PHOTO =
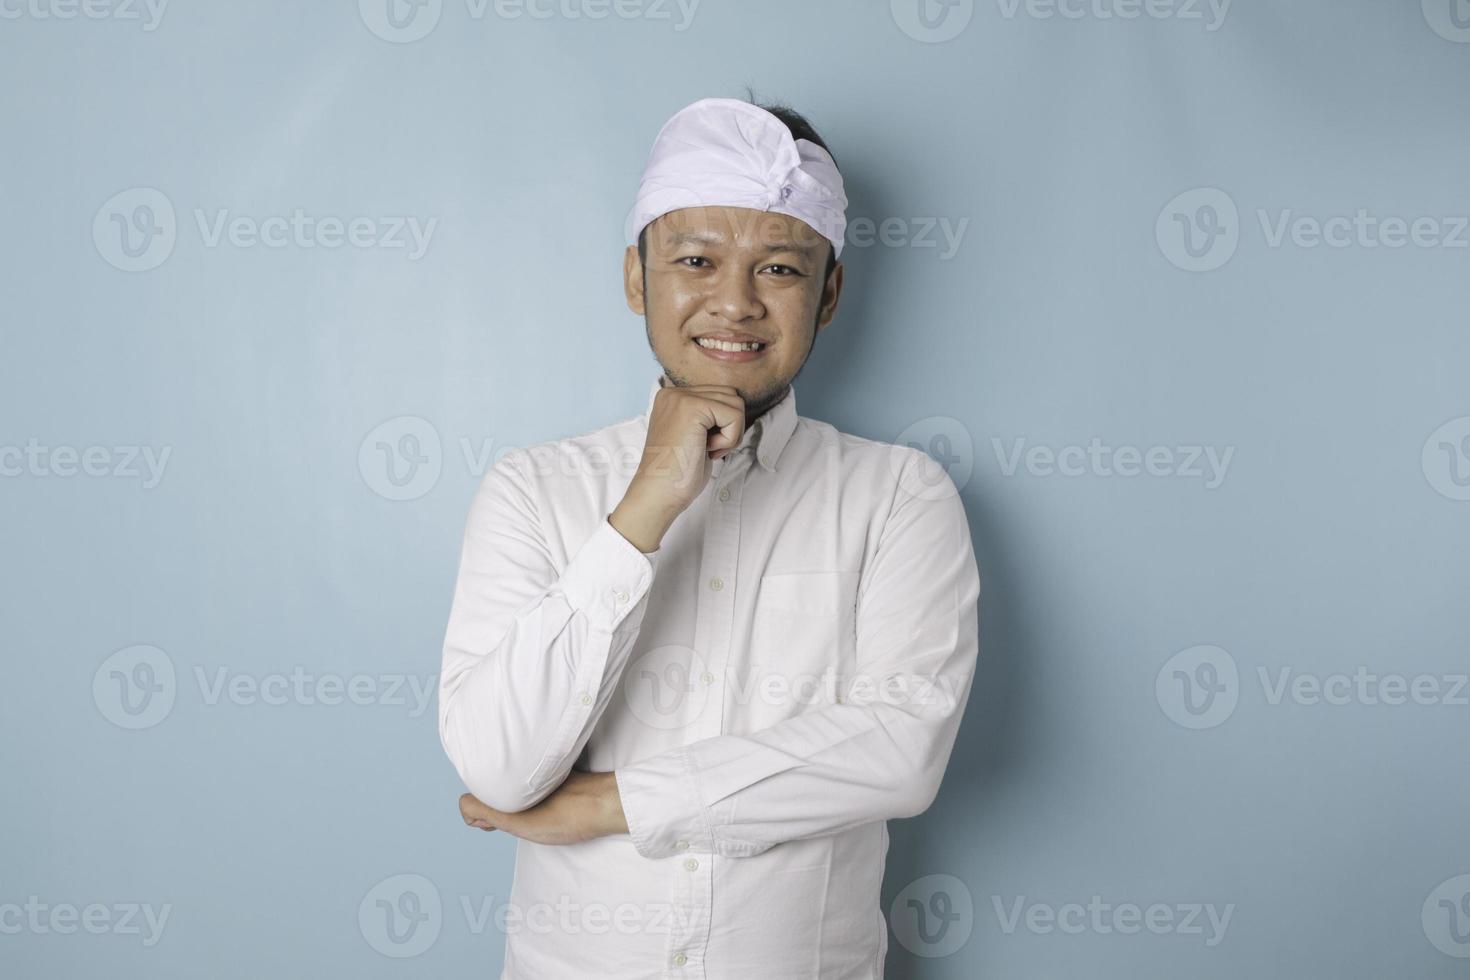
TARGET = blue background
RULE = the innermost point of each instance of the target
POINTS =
(1335, 540)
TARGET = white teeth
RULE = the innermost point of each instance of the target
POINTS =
(725, 344)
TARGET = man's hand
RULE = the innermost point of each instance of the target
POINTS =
(585, 807)
(688, 429)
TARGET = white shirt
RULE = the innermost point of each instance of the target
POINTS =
(783, 675)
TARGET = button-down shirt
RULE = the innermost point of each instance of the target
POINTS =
(785, 673)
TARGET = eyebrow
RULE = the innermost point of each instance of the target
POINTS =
(696, 238)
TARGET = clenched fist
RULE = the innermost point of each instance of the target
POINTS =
(688, 429)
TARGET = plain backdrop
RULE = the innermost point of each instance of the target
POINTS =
(1216, 462)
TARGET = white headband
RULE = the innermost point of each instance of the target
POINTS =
(728, 152)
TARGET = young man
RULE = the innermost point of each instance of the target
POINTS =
(697, 658)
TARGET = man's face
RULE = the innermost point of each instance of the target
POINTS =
(739, 274)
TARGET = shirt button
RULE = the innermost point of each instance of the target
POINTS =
(691, 865)
(621, 596)
(724, 494)
(717, 584)
(586, 699)
(707, 677)
(682, 845)
(680, 959)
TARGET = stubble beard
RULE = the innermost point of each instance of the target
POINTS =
(756, 404)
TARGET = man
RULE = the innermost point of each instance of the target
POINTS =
(697, 658)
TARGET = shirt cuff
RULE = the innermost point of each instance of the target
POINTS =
(684, 799)
(660, 798)
(608, 578)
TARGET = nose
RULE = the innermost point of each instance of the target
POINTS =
(733, 296)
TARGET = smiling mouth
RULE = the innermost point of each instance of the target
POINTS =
(727, 346)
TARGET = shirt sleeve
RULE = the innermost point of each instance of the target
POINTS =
(882, 751)
(532, 653)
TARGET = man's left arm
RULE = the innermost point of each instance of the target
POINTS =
(878, 755)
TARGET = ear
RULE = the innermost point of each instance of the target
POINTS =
(633, 279)
(831, 291)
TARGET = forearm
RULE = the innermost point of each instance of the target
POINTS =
(528, 668)
(820, 773)
(514, 720)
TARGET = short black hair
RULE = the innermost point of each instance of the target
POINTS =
(801, 129)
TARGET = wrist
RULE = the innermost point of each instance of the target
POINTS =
(643, 526)
(614, 820)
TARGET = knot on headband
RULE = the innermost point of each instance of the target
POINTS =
(727, 152)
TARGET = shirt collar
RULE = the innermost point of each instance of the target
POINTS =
(769, 433)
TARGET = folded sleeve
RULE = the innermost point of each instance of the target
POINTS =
(880, 752)
(532, 653)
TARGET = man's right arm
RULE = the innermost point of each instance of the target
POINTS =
(532, 656)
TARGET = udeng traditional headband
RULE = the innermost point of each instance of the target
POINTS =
(728, 152)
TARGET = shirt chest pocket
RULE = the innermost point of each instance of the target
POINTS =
(803, 638)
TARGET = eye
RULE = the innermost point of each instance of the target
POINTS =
(690, 258)
(788, 269)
